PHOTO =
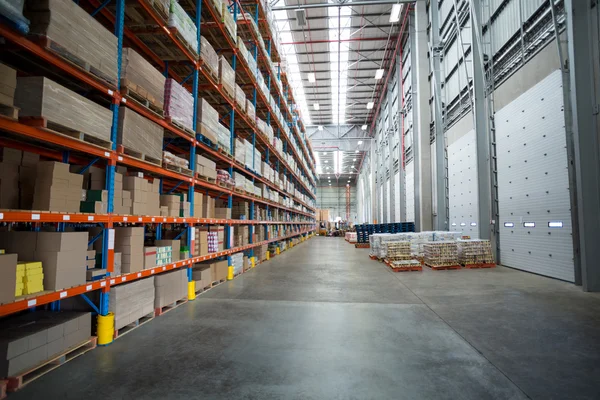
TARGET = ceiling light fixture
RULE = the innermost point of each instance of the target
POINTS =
(320, 127)
(356, 151)
(311, 77)
(370, 105)
(364, 127)
(316, 106)
(395, 14)
(360, 142)
(354, 159)
(378, 74)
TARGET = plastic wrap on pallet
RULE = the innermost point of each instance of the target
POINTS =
(227, 19)
(250, 110)
(226, 76)
(139, 76)
(180, 20)
(240, 98)
(139, 134)
(239, 180)
(179, 103)
(474, 251)
(223, 138)
(12, 10)
(261, 125)
(240, 150)
(171, 159)
(242, 49)
(86, 43)
(207, 120)
(223, 176)
(441, 254)
(252, 65)
(38, 96)
(209, 56)
(237, 261)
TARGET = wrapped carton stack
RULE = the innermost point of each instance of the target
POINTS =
(474, 251)
(62, 108)
(250, 110)
(237, 261)
(139, 76)
(8, 85)
(174, 247)
(240, 150)
(139, 136)
(441, 254)
(180, 20)
(30, 339)
(227, 77)
(223, 138)
(132, 301)
(228, 20)
(240, 233)
(209, 57)
(207, 120)
(240, 99)
(206, 168)
(169, 288)
(179, 104)
(86, 43)
(129, 242)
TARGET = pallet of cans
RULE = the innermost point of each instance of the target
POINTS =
(399, 257)
(441, 255)
(475, 253)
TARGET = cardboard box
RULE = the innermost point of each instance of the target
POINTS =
(8, 277)
(149, 257)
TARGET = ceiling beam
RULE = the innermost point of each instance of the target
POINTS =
(339, 4)
(364, 39)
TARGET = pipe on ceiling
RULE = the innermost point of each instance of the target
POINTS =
(350, 4)
(374, 39)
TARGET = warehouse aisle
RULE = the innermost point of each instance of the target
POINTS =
(321, 321)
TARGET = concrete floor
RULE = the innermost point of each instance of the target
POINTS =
(322, 321)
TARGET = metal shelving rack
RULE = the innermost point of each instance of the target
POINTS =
(66, 149)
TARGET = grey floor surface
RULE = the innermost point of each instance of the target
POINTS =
(322, 321)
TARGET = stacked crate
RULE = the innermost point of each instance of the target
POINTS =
(132, 301)
(441, 254)
(475, 252)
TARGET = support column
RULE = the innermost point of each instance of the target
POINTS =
(373, 187)
(586, 138)
(442, 223)
(482, 128)
(421, 145)
(391, 142)
(401, 184)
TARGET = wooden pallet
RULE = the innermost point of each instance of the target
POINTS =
(17, 382)
(206, 179)
(179, 125)
(9, 112)
(135, 324)
(362, 245)
(406, 269)
(140, 156)
(65, 54)
(134, 93)
(372, 257)
(474, 266)
(179, 170)
(161, 11)
(162, 310)
(225, 185)
(42, 122)
(443, 267)
(205, 67)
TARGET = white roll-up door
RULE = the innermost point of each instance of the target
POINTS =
(533, 184)
(462, 182)
(410, 192)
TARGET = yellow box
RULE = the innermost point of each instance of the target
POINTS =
(33, 279)
(33, 265)
(21, 267)
(34, 272)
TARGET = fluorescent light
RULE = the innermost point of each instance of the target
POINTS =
(348, 181)
(311, 77)
(356, 151)
(320, 127)
(378, 74)
(324, 153)
(370, 105)
(395, 14)
(316, 106)
(555, 224)
(354, 159)
(360, 142)
(463, 224)
(326, 161)
(473, 223)
(509, 224)
(364, 127)
(529, 224)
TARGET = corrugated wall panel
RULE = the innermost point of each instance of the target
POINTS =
(410, 192)
(533, 182)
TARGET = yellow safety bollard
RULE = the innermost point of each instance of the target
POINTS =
(192, 290)
(268, 255)
(277, 251)
(230, 273)
(106, 329)
(252, 262)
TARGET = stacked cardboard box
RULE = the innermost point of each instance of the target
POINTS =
(240, 98)
(240, 233)
(205, 167)
(56, 189)
(170, 287)
(200, 242)
(129, 241)
(40, 97)
(117, 264)
(174, 245)
(179, 103)
(86, 42)
(198, 204)
(172, 202)
(30, 278)
(212, 240)
(140, 135)
(218, 269)
(202, 274)
(224, 138)
(240, 210)
(208, 207)
(149, 257)
(141, 77)
(222, 213)
(144, 195)
(260, 252)
(209, 57)
(185, 209)
(207, 120)
(132, 301)
(9, 285)
(8, 84)
(163, 255)
(237, 261)
(30, 339)
(250, 110)
(240, 150)
(95, 202)
(226, 76)
(9, 178)
(246, 263)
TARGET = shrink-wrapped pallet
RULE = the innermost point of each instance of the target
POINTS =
(210, 59)
(227, 19)
(261, 125)
(223, 138)
(181, 21)
(132, 301)
(242, 49)
(171, 159)
(226, 76)
(40, 97)
(170, 288)
(250, 110)
(86, 43)
(179, 103)
(441, 254)
(140, 135)
(474, 251)
(240, 150)
(139, 76)
(240, 99)
(207, 120)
